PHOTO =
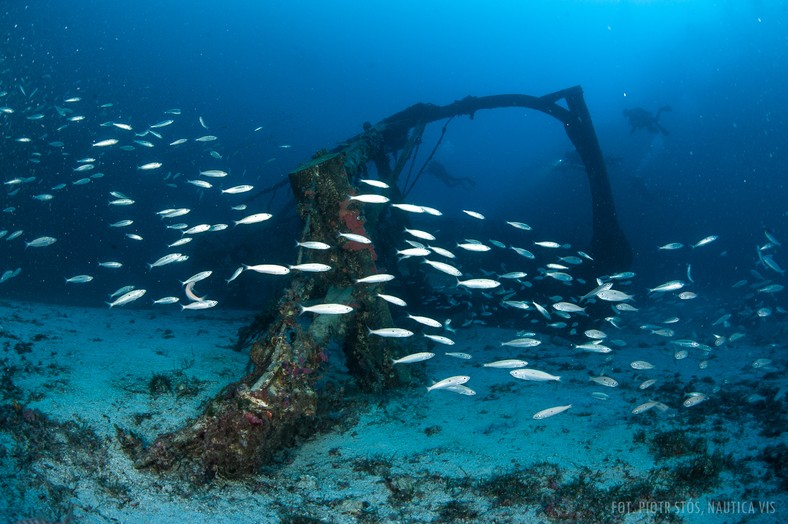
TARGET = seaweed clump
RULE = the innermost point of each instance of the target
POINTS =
(457, 511)
(675, 443)
(41, 443)
(174, 383)
(776, 459)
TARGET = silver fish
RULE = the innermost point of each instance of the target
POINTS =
(128, 298)
(415, 357)
(549, 412)
(326, 309)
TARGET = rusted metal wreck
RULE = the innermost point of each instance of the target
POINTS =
(264, 411)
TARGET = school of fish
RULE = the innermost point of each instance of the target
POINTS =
(466, 273)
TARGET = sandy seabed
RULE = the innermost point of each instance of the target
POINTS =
(71, 375)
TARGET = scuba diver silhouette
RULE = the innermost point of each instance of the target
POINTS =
(639, 118)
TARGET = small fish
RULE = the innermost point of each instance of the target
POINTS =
(549, 412)
(199, 304)
(196, 230)
(568, 307)
(413, 252)
(707, 240)
(393, 300)
(594, 347)
(459, 388)
(443, 340)
(671, 285)
(426, 321)
(542, 311)
(523, 252)
(122, 223)
(111, 265)
(173, 213)
(445, 268)
(374, 183)
(202, 275)
(166, 300)
(163, 123)
(479, 283)
(38, 242)
(647, 383)
(474, 214)
(518, 304)
(559, 275)
(214, 173)
(694, 399)
(268, 269)
(520, 225)
(326, 309)
(167, 259)
(119, 125)
(463, 356)
(237, 189)
(127, 298)
(254, 219)
(44, 197)
(475, 247)
(420, 234)
(442, 252)
(149, 166)
(121, 202)
(641, 364)
(312, 267)
(449, 382)
(671, 246)
(771, 238)
(200, 183)
(415, 357)
(644, 407)
(375, 279)
(548, 244)
(79, 279)
(514, 275)
(206, 138)
(178, 142)
(391, 332)
(506, 364)
(664, 332)
(533, 375)
(353, 237)
(235, 274)
(124, 289)
(310, 244)
(369, 199)
(525, 342)
(106, 143)
(605, 381)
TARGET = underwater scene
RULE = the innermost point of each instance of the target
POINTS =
(393, 262)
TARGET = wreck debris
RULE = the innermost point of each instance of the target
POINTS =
(264, 411)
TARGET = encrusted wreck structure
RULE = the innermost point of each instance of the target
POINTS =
(264, 411)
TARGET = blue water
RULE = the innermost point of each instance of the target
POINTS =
(278, 81)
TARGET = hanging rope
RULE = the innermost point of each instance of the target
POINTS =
(410, 152)
(429, 158)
